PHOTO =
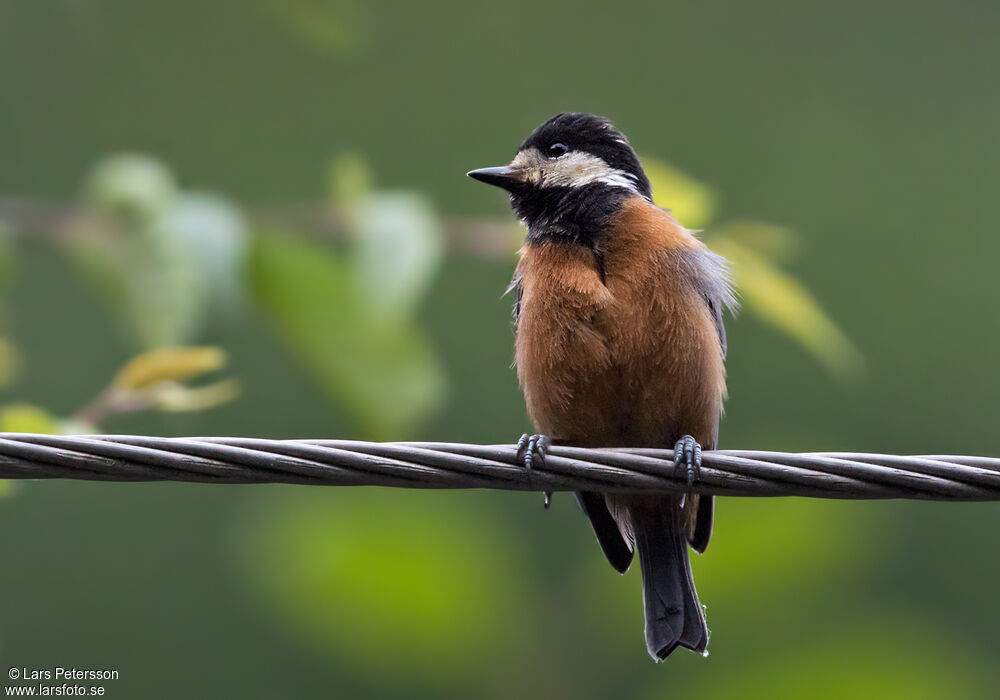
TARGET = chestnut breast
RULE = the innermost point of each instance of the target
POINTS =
(619, 348)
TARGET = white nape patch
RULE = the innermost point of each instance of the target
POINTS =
(574, 169)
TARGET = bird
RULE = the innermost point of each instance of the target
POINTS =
(620, 342)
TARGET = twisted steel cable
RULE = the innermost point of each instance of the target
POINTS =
(231, 460)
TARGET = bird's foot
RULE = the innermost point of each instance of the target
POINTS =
(531, 451)
(687, 459)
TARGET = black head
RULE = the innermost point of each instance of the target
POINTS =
(569, 175)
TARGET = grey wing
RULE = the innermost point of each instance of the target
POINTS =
(701, 527)
(717, 290)
(711, 274)
(715, 306)
(515, 287)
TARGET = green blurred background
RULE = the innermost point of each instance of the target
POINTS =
(295, 196)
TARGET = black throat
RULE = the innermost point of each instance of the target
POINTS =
(577, 215)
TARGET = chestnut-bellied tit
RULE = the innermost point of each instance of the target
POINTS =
(620, 343)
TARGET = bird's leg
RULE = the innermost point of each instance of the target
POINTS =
(687, 459)
(531, 451)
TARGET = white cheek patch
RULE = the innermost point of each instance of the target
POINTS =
(574, 169)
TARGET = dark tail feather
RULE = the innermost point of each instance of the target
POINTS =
(616, 549)
(702, 531)
(673, 614)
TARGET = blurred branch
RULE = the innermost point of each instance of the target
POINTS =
(450, 465)
(37, 217)
(56, 221)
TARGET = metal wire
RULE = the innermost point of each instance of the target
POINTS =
(229, 460)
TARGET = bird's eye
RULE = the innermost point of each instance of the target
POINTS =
(556, 150)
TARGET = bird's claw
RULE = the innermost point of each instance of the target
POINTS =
(687, 459)
(531, 451)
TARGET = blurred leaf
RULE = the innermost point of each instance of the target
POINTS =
(177, 398)
(213, 233)
(131, 186)
(168, 364)
(398, 249)
(167, 258)
(781, 300)
(350, 179)
(691, 202)
(330, 24)
(384, 373)
(143, 269)
(153, 381)
(26, 418)
(167, 294)
(366, 576)
(776, 243)
(102, 260)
